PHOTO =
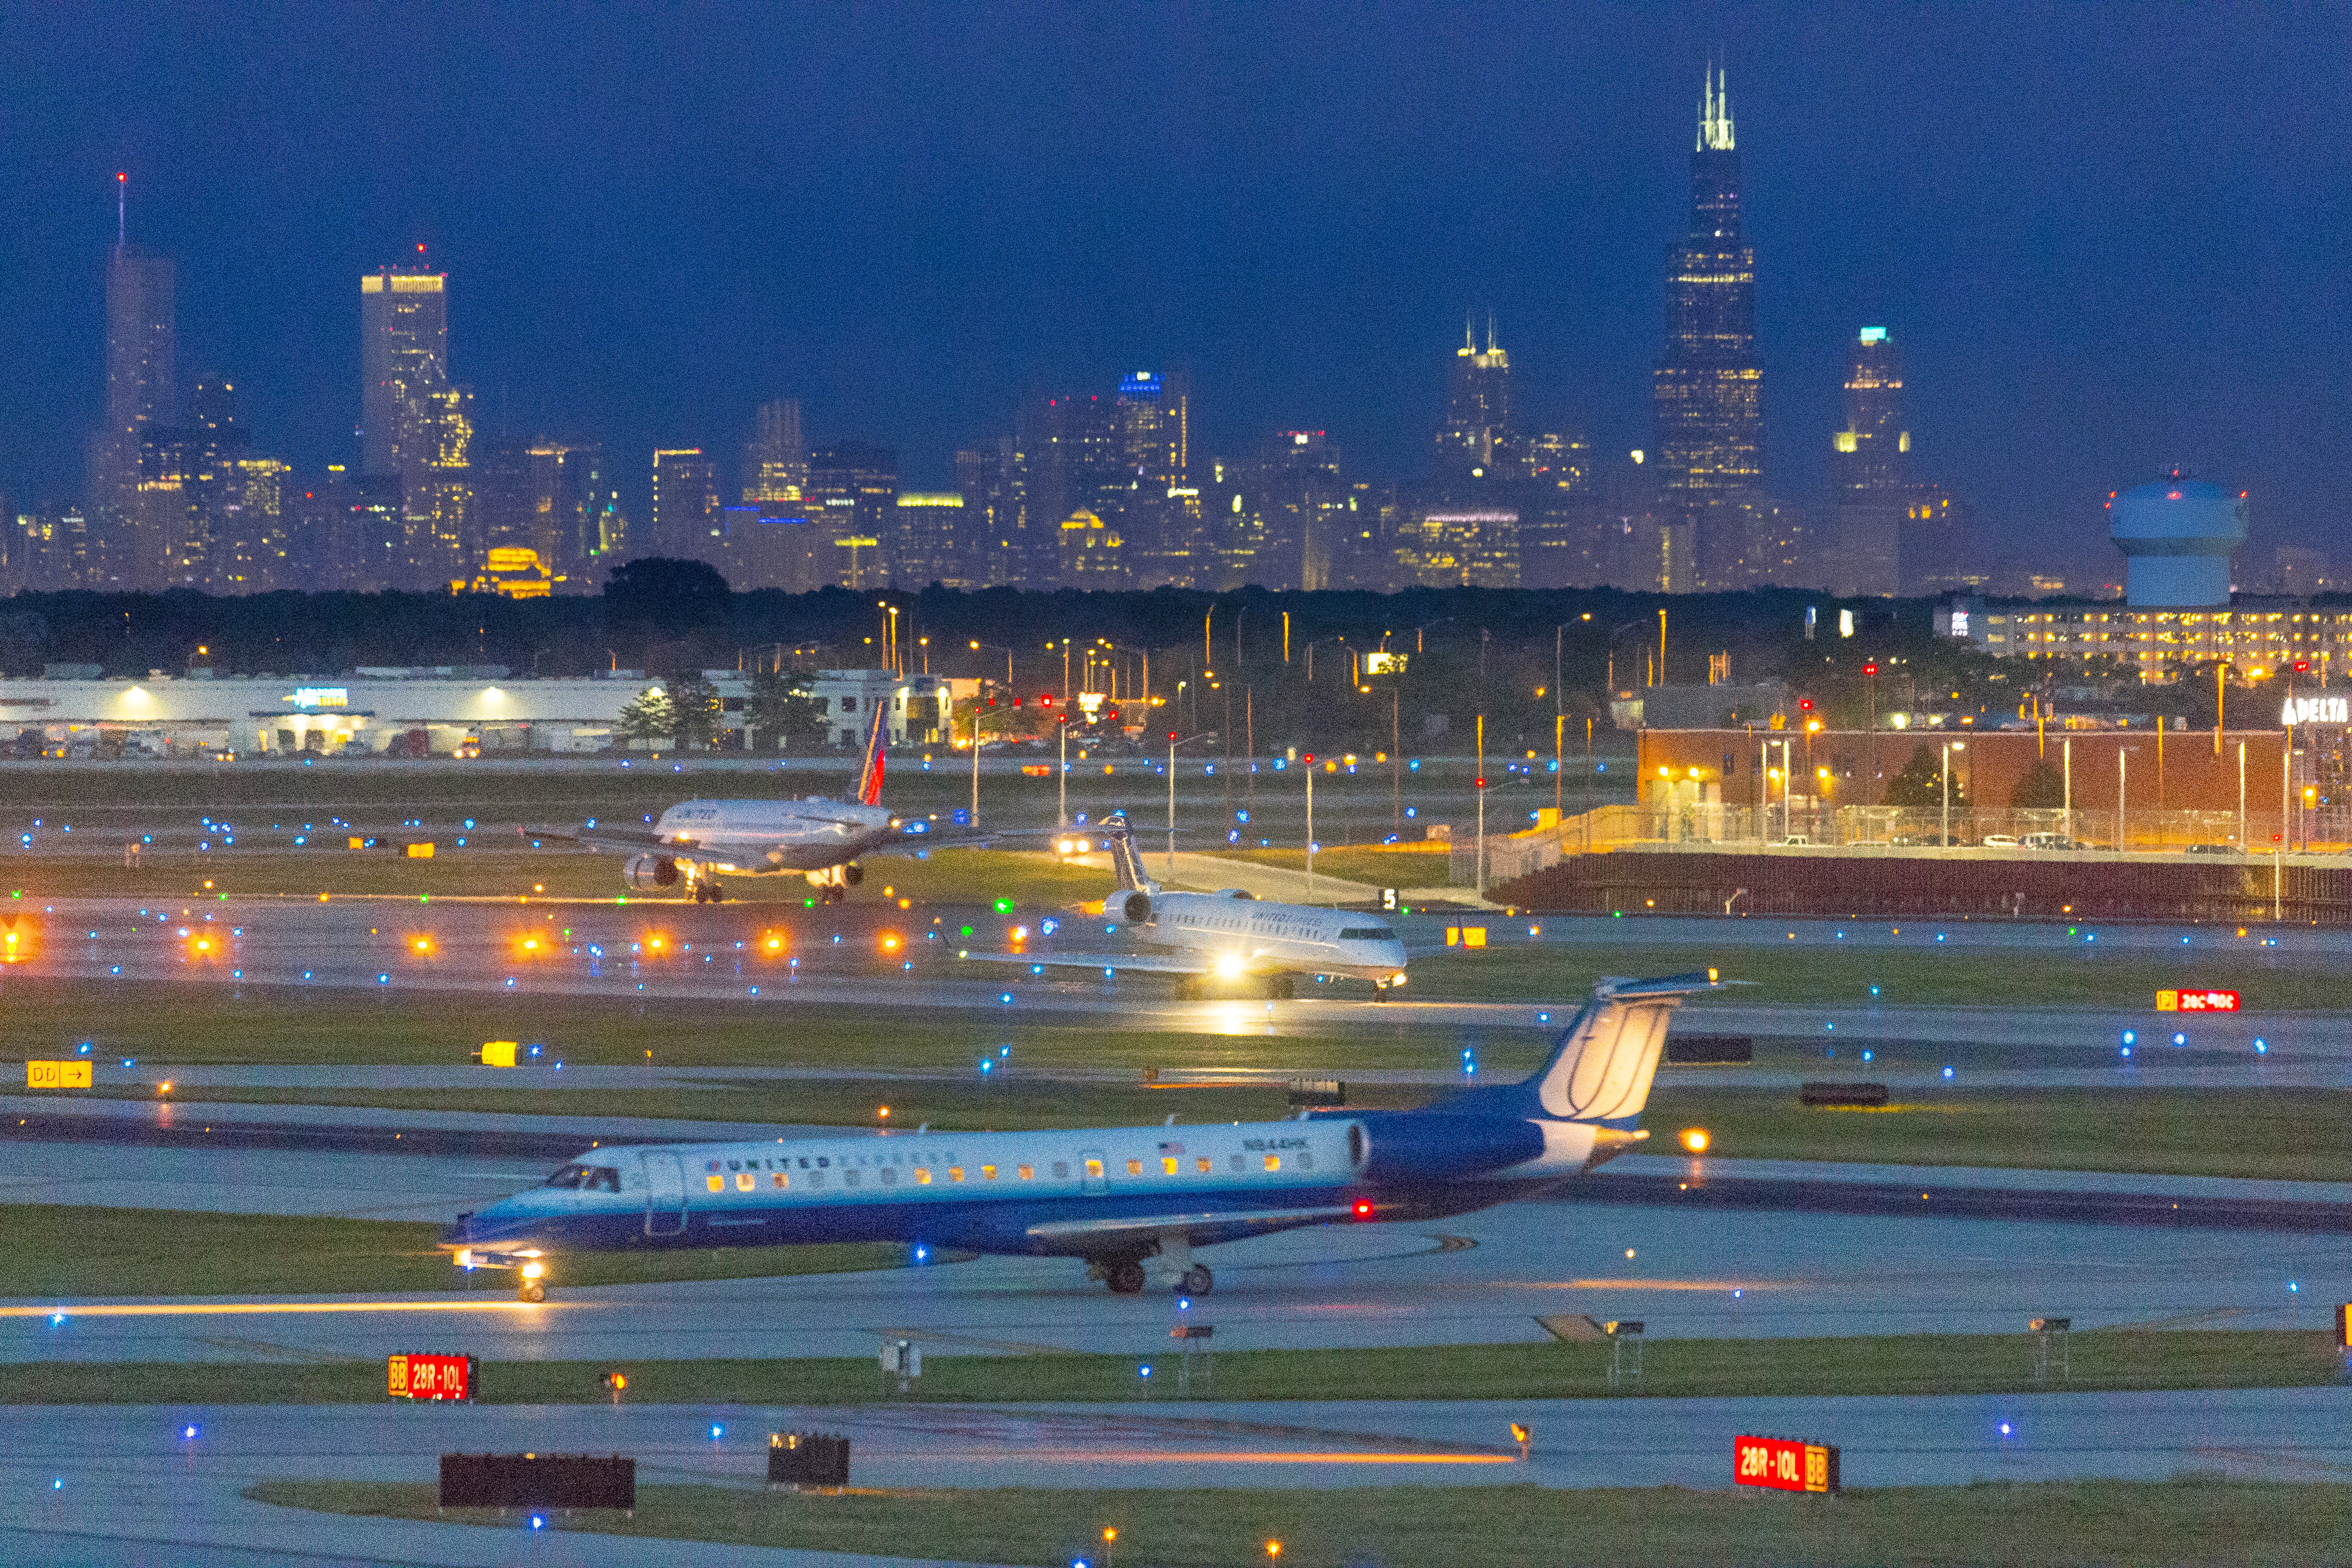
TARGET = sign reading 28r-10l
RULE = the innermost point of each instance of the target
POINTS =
(1783, 1465)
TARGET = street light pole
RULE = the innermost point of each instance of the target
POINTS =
(975, 762)
(1310, 828)
(1479, 860)
(1063, 776)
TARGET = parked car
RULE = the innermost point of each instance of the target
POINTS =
(1999, 841)
(2049, 841)
(2213, 850)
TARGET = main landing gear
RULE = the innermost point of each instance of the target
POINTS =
(832, 883)
(1128, 1277)
(705, 890)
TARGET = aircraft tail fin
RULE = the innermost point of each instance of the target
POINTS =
(1602, 1065)
(1125, 863)
(869, 771)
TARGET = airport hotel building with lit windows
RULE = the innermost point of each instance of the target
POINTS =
(2255, 637)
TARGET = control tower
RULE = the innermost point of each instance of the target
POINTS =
(2177, 535)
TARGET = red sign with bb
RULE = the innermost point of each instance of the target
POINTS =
(2196, 1001)
(430, 1376)
(1783, 1465)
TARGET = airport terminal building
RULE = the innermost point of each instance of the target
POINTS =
(453, 711)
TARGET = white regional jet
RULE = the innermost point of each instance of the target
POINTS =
(1229, 935)
(695, 840)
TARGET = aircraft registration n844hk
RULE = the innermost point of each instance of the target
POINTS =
(1119, 1198)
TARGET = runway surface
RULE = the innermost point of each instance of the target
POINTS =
(127, 1483)
(1694, 1271)
(651, 951)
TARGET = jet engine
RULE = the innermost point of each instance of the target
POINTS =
(649, 871)
(852, 874)
(1137, 907)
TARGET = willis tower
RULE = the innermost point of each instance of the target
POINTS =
(1706, 397)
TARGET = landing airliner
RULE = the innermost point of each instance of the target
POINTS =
(697, 839)
(1230, 935)
(1118, 1197)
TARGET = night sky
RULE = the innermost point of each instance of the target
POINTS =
(2104, 239)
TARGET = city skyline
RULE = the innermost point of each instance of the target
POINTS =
(1384, 417)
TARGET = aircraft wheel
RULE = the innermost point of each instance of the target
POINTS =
(1124, 1279)
(1198, 1280)
(1380, 991)
(532, 1290)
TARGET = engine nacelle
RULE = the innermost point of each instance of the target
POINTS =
(852, 874)
(1137, 907)
(649, 871)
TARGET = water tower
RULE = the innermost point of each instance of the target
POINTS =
(2177, 535)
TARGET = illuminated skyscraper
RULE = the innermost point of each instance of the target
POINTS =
(403, 351)
(685, 505)
(1707, 388)
(1476, 440)
(853, 491)
(775, 461)
(1870, 471)
(141, 331)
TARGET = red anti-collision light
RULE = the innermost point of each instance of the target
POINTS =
(1363, 1208)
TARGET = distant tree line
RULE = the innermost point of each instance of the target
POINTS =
(1522, 657)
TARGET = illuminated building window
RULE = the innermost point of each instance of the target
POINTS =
(743, 1181)
(716, 1183)
(1274, 1161)
(1134, 1167)
(1094, 1169)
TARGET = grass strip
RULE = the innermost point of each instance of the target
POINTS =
(2102, 1361)
(2190, 1519)
(68, 1252)
(2307, 1132)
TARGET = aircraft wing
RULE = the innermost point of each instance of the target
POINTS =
(1142, 962)
(1062, 1228)
(602, 840)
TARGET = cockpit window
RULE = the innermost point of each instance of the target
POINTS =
(1367, 933)
(587, 1178)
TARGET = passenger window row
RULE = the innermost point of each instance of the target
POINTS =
(605, 1178)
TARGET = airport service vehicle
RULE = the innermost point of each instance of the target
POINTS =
(695, 840)
(1117, 1197)
(1229, 935)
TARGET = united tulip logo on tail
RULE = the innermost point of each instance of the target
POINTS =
(869, 777)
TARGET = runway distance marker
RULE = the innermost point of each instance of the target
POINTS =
(2197, 1001)
(1783, 1465)
(57, 1075)
(432, 1377)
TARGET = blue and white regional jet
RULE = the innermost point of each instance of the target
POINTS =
(1118, 1197)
